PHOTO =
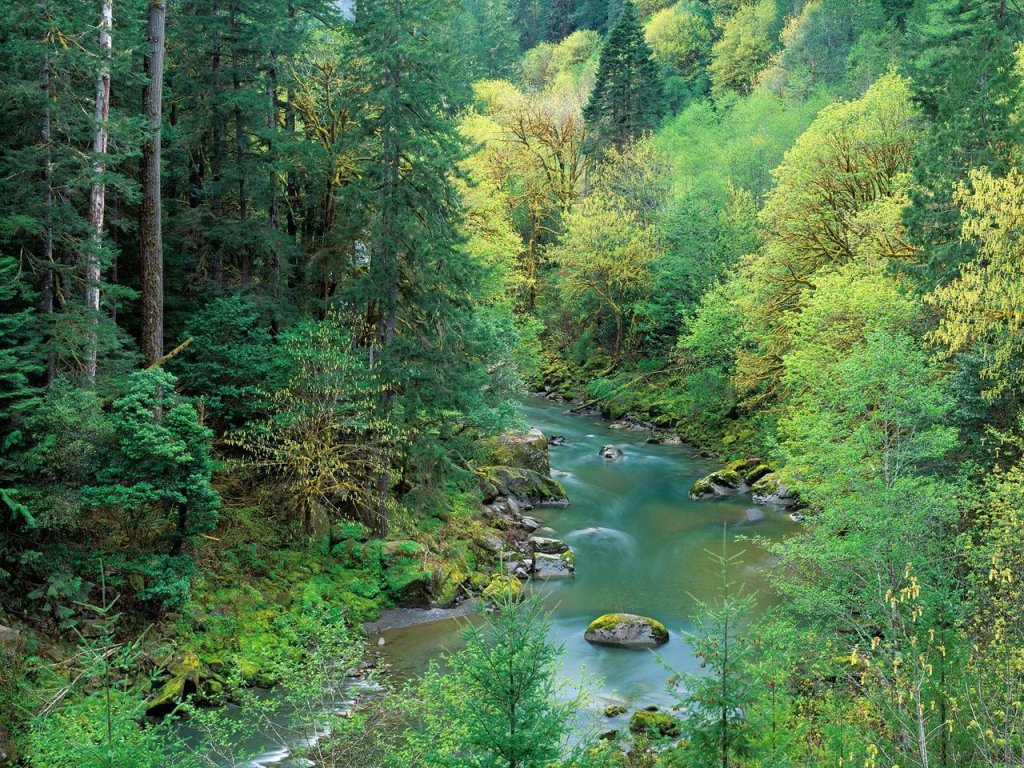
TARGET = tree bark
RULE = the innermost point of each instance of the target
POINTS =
(151, 227)
(98, 195)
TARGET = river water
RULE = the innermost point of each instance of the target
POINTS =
(642, 546)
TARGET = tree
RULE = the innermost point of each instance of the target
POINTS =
(151, 251)
(324, 440)
(680, 38)
(604, 260)
(718, 701)
(743, 49)
(97, 199)
(499, 706)
(627, 100)
(157, 480)
(493, 46)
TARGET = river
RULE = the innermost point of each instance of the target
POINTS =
(642, 546)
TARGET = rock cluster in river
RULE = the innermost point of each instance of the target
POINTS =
(746, 476)
(610, 452)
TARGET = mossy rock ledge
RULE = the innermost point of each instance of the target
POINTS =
(626, 630)
(735, 478)
(653, 723)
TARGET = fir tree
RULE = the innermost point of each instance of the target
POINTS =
(628, 99)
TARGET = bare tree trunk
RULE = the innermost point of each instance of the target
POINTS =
(150, 227)
(98, 196)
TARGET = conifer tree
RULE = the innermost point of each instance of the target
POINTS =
(628, 98)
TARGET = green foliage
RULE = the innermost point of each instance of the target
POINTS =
(230, 363)
(743, 50)
(159, 474)
(499, 704)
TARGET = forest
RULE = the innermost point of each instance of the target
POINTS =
(286, 287)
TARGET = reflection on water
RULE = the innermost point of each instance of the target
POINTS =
(641, 545)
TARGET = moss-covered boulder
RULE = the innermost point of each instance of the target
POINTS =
(724, 482)
(652, 723)
(548, 546)
(503, 587)
(527, 450)
(771, 490)
(626, 630)
(755, 474)
(614, 710)
(183, 678)
(553, 566)
(526, 486)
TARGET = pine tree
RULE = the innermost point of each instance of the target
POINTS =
(628, 99)
(491, 39)
(559, 20)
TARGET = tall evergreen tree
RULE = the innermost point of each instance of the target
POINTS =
(490, 37)
(628, 98)
(559, 20)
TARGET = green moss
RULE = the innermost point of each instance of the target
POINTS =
(653, 724)
(766, 485)
(503, 587)
(755, 474)
(614, 710)
(569, 558)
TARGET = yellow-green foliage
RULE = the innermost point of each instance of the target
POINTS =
(983, 308)
(503, 587)
(679, 37)
(744, 48)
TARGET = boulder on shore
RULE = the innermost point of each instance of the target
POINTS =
(526, 487)
(770, 490)
(528, 450)
(548, 546)
(626, 630)
(735, 478)
(610, 452)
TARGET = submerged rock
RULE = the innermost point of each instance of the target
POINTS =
(610, 452)
(554, 566)
(626, 630)
(556, 440)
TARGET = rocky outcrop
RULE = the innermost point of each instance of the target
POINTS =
(553, 566)
(527, 487)
(735, 478)
(610, 452)
(626, 630)
(503, 588)
(770, 489)
(528, 450)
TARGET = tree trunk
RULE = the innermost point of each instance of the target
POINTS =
(98, 195)
(243, 200)
(150, 227)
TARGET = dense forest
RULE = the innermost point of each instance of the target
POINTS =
(275, 276)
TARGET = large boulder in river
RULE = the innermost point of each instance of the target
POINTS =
(771, 490)
(626, 630)
(527, 450)
(526, 487)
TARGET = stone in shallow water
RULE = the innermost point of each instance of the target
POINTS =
(610, 452)
(626, 630)
(554, 566)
